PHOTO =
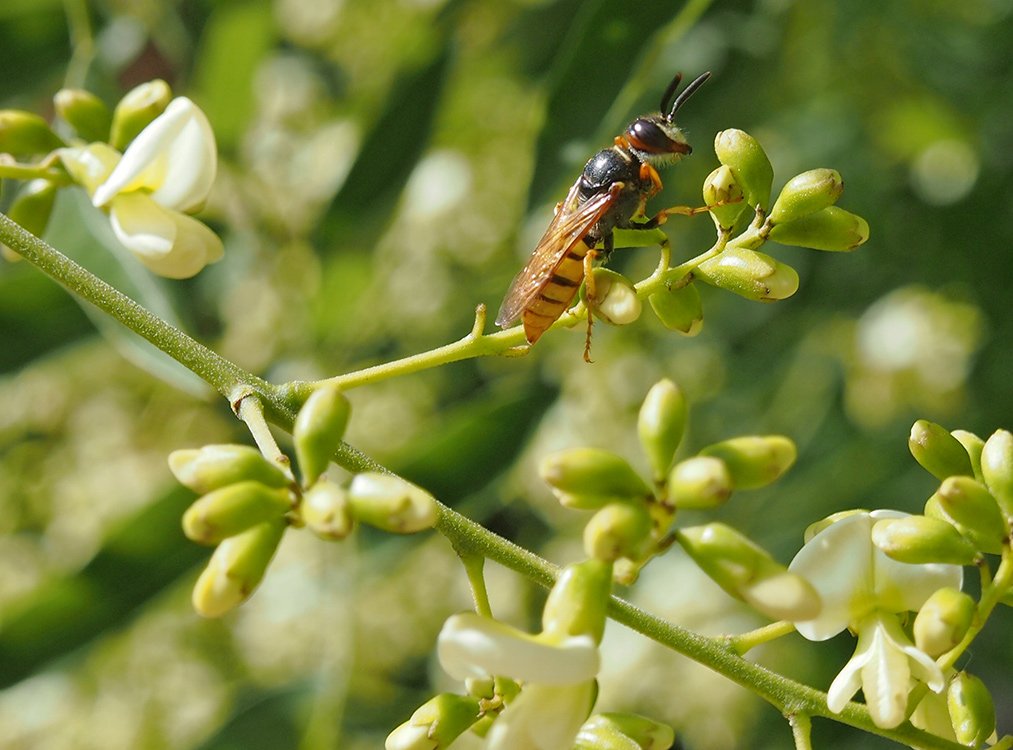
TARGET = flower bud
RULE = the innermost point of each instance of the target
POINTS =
(577, 603)
(832, 229)
(317, 431)
(824, 523)
(592, 471)
(229, 510)
(136, 110)
(921, 539)
(938, 452)
(616, 299)
(392, 504)
(435, 724)
(754, 460)
(806, 194)
(325, 510)
(975, 513)
(618, 530)
(749, 164)
(679, 309)
(85, 112)
(660, 425)
(973, 445)
(724, 197)
(236, 568)
(749, 274)
(997, 468)
(33, 206)
(943, 621)
(213, 466)
(25, 134)
(699, 483)
(971, 710)
(623, 731)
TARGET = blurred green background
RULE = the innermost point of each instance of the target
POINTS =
(386, 166)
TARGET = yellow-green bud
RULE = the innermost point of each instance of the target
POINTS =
(318, 429)
(975, 513)
(973, 445)
(997, 468)
(213, 466)
(577, 603)
(724, 197)
(85, 112)
(25, 134)
(620, 529)
(591, 471)
(622, 731)
(236, 568)
(230, 510)
(33, 206)
(661, 424)
(921, 539)
(754, 460)
(391, 503)
(699, 483)
(750, 274)
(832, 229)
(972, 711)
(943, 621)
(938, 452)
(436, 723)
(326, 512)
(806, 194)
(815, 528)
(749, 165)
(136, 110)
(679, 309)
(616, 299)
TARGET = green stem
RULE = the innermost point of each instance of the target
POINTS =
(251, 411)
(33, 172)
(801, 730)
(474, 567)
(746, 642)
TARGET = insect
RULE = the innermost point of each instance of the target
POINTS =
(610, 193)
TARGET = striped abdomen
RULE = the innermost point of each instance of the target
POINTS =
(556, 293)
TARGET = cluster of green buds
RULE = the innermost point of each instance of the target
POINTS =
(247, 501)
(633, 517)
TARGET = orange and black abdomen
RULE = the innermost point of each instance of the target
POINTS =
(555, 296)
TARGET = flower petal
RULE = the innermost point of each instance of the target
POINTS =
(91, 165)
(886, 678)
(543, 717)
(904, 587)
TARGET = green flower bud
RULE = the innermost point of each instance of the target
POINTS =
(317, 431)
(592, 471)
(236, 568)
(806, 194)
(973, 445)
(85, 112)
(943, 621)
(750, 274)
(620, 529)
(747, 572)
(971, 710)
(815, 528)
(616, 299)
(622, 731)
(136, 110)
(754, 460)
(577, 602)
(26, 134)
(832, 229)
(436, 723)
(392, 504)
(975, 513)
(921, 539)
(679, 309)
(660, 425)
(699, 483)
(326, 512)
(997, 468)
(213, 466)
(230, 510)
(724, 197)
(938, 452)
(749, 164)
(33, 206)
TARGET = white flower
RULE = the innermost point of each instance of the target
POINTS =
(166, 172)
(862, 589)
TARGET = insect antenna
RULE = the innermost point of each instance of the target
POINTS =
(670, 91)
(686, 94)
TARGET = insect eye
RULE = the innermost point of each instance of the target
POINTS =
(647, 136)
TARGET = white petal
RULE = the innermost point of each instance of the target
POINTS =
(847, 682)
(542, 717)
(904, 587)
(886, 678)
(91, 165)
(473, 646)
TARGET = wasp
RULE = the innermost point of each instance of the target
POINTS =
(611, 193)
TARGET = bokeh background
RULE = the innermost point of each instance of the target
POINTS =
(386, 167)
